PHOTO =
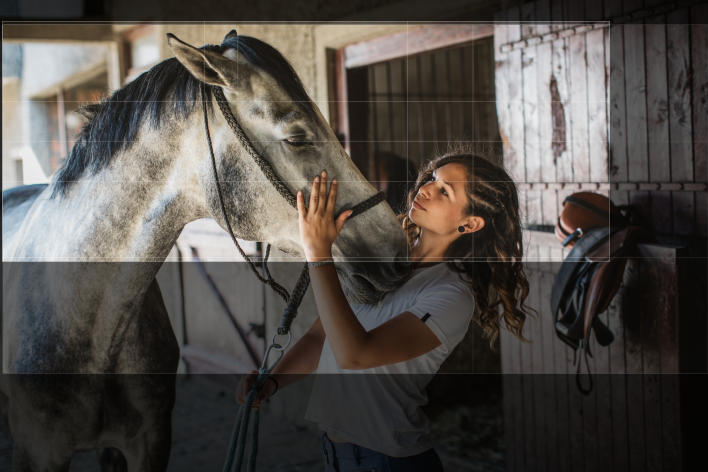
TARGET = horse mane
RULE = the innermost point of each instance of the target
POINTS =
(167, 90)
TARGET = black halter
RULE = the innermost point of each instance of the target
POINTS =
(304, 279)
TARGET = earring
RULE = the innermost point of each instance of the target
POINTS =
(461, 229)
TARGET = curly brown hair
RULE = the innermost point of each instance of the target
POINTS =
(489, 260)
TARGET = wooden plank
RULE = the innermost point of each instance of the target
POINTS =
(397, 106)
(532, 157)
(575, 411)
(669, 433)
(527, 368)
(671, 428)
(469, 72)
(633, 357)
(550, 398)
(699, 62)
(593, 10)
(654, 279)
(539, 367)
(557, 14)
(597, 100)
(489, 128)
(514, 150)
(512, 380)
(635, 86)
(440, 87)
(699, 39)
(528, 16)
(508, 385)
(509, 100)
(358, 130)
(383, 110)
(617, 378)
(680, 122)
(479, 106)
(371, 136)
(549, 209)
(414, 41)
(560, 368)
(617, 117)
(415, 111)
(429, 124)
(563, 159)
(657, 101)
(454, 59)
(342, 98)
(577, 60)
(603, 395)
(543, 16)
(46, 32)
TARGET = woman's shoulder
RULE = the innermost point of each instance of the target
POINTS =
(439, 277)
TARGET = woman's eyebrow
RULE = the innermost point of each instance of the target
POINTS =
(445, 182)
(448, 184)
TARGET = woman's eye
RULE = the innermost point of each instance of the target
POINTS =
(444, 192)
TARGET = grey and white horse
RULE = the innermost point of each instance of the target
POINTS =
(80, 255)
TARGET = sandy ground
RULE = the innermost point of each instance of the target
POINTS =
(469, 437)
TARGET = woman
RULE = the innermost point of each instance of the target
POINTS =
(465, 238)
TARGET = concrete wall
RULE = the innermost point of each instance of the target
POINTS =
(47, 66)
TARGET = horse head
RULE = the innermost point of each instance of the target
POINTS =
(286, 128)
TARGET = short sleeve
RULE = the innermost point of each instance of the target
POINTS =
(446, 309)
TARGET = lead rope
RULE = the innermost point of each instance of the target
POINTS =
(238, 435)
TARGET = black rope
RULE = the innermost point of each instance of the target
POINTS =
(282, 291)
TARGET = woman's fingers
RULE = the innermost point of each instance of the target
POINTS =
(314, 195)
(332, 198)
(300, 201)
(323, 192)
(342, 219)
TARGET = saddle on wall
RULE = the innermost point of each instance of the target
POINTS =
(590, 275)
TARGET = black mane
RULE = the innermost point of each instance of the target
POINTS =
(113, 124)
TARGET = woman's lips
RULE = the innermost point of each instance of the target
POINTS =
(418, 205)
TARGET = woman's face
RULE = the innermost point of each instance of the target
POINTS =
(440, 203)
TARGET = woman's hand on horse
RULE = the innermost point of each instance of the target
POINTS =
(245, 385)
(318, 229)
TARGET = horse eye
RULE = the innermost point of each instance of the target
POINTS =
(297, 141)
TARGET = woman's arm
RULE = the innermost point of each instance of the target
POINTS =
(399, 339)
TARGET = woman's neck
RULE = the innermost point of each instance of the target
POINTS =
(428, 249)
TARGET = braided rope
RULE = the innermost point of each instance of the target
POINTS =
(282, 291)
(264, 165)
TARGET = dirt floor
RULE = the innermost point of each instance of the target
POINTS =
(468, 435)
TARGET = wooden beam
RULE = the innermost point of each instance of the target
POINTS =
(39, 32)
(414, 41)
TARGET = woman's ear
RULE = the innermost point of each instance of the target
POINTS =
(474, 224)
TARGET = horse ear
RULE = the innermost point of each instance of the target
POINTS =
(207, 66)
(230, 35)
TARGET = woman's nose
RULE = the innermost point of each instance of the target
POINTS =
(424, 190)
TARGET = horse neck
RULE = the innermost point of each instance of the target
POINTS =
(134, 208)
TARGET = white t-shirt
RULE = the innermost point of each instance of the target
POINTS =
(382, 410)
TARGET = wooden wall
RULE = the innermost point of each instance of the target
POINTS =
(618, 109)
(417, 105)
